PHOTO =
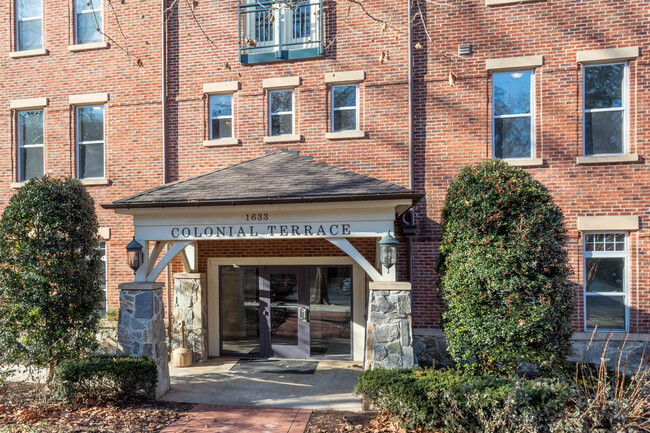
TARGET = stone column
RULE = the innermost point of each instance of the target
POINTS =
(141, 327)
(191, 303)
(389, 334)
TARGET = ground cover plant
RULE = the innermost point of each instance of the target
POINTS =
(503, 269)
(50, 271)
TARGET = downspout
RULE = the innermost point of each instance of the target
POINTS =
(163, 99)
(409, 216)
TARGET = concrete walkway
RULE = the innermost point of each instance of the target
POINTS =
(330, 387)
(208, 418)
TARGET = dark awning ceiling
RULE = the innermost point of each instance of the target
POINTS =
(277, 177)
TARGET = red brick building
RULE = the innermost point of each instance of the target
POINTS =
(559, 88)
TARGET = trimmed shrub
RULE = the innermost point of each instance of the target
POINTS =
(504, 271)
(456, 401)
(107, 378)
(50, 274)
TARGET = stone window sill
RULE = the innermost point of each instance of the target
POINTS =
(88, 47)
(525, 162)
(28, 53)
(607, 159)
(222, 142)
(95, 181)
(345, 135)
(288, 138)
(17, 185)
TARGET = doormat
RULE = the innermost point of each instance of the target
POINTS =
(275, 366)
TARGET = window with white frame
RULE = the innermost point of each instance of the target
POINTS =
(604, 109)
(512, 114)
(30, 144)
(102, 249)
(345, 108)
(221, 117)
(605, 281)
(281, 113)
(29, 25)
(89, 21)
(90, 141)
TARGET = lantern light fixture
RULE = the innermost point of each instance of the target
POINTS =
(388, 250)
(134, 254)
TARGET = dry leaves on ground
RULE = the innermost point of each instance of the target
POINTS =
(23, 409)
(341, 422)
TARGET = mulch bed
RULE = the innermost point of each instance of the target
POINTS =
(25, 409)
(331, 421)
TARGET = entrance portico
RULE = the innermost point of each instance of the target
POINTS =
(278, 197)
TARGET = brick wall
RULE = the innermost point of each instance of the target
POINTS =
(453, 123)
(133, 131)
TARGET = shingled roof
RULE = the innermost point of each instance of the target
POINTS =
(277, 177)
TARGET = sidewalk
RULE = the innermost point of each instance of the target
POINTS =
(237, 419)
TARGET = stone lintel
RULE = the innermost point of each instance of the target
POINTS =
(390, 285)
(189, 275)
(89, 99)
(281, 83)
(513, 63)
(606, 223)
(23, 104)
(607, 55)
(346, 77)
(220, 88)
(140, 286)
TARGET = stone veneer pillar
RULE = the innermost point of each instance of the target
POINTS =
(389, 334)
(191, 303)
(141, 327)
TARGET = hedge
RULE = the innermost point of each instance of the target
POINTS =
(456, 401)
(107, 378)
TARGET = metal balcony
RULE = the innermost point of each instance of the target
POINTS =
(270, 31)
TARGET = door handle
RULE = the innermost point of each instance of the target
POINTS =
(303, 314)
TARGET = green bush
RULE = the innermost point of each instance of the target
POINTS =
(456, 401)
(504, 271)
(112, 315)
(50, 274)
(107, 378)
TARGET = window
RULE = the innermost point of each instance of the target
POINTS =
(512, 114)
(30, 144)
(102, 249)
(89, 21)
(605, 270)
(275, 30)
(29, 24)
(90, 141)
(281, 112)
(345, 110)
(221, 118)
(604, 109)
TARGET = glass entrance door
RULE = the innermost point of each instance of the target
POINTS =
(284, 301)
(289, 312)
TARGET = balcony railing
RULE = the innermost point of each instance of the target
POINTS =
(280, 30)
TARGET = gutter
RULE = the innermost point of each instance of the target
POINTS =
(265, 200)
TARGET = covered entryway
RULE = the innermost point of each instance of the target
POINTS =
(279, 253)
